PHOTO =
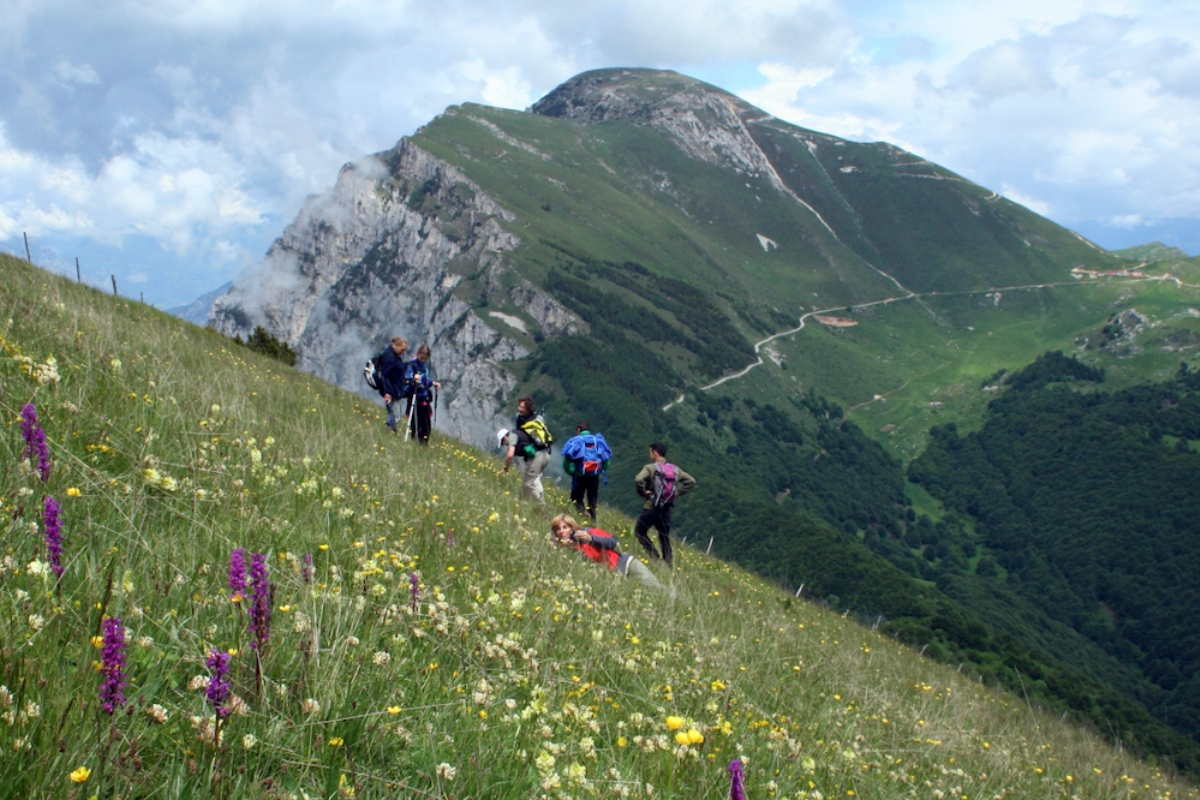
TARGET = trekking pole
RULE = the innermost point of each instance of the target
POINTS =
(435, 404)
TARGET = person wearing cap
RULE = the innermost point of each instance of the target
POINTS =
(536, 457)
(600, 546)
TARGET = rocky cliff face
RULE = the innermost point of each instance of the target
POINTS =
(381, 254)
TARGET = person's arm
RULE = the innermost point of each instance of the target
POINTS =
(596, 538)
(508, 457)
(684, 483)
(642, 481)
(412, 380)
(386, 363)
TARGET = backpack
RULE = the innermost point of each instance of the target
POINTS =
(538, 432)
(663, 494)
(371, 372)
(590, 451)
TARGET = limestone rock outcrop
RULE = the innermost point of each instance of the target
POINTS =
(381, 254)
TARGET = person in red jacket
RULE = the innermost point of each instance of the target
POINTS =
(601, 547)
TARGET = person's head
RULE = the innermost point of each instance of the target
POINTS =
(423, 353)
(526, 407)
(399, 345)
(582, 426)
(658, 451)
(561, 528)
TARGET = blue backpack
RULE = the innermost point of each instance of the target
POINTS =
(590, 451)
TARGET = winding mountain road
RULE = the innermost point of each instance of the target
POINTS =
(912, 296)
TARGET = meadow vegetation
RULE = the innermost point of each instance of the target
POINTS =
(226, 579)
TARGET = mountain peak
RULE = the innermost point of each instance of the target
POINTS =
(602, 95)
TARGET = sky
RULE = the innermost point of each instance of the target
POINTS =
(167, 143)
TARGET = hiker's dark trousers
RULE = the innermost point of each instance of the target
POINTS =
(585, 486)
(660, 519)
(422, 411)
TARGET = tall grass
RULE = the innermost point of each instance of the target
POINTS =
(511, 670)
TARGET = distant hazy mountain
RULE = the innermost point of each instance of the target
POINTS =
(197, 310)
(1154, 251)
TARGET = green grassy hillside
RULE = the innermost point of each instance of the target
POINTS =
(897, 294)
(424, 639)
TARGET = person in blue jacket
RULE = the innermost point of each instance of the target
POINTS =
(421, 388)
(391, 366)
(585, 459)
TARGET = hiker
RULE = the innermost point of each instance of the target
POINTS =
(421, 395)
(585, 459)
(601, 547)
(390, 365)
(530, 440)
(661, 484)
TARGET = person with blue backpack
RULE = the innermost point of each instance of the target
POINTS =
(660, 484)
(585, 459)
(422, 394)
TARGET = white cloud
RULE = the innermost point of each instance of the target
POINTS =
(201, 125)
(1085, 110)
(69, 73)
(1032, 203)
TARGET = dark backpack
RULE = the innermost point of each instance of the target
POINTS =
(663, 493)
(371, 372)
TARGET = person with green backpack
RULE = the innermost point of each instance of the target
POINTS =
(531, 440)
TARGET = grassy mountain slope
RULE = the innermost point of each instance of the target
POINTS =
(516, 671)
(1153, 251)
(679, 258)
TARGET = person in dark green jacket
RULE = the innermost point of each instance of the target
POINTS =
(660, 484)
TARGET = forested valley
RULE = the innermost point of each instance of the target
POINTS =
(1086, 503)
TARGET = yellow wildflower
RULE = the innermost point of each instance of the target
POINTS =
(80, 775)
